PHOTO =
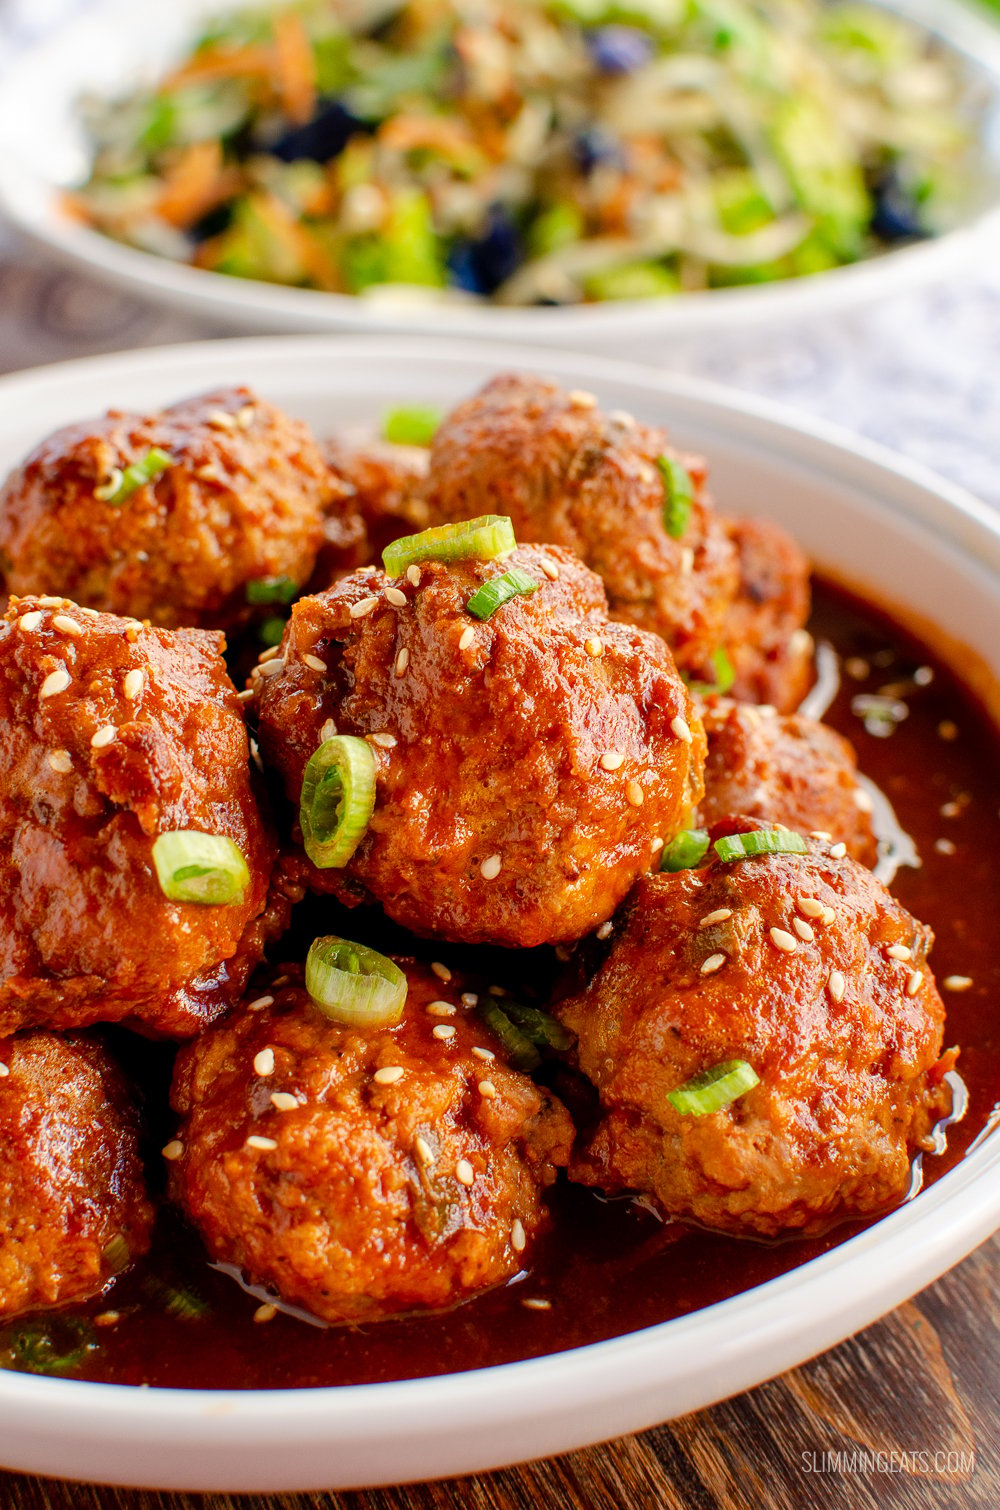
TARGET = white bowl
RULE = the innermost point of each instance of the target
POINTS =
(43, 150)
(871, 519)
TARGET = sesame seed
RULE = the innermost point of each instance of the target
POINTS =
(360, 609)
(856, 668)
(441, 1009)
(313, 662)
(53, 603)
(108, 1318)
(397, 598)
(862, 801)
(681, 729)
(490, 868)
(273, 668)
(328, 731)
(612, 759)
(60, 761)
(914, 982)
(173, 1150)
(656, 845)
(822, 835)
(550, 569)
(713, 963)
(496, 990)
(957, 982)
(536, 1303)
(804, 930)
(718, 916)
(952, 810)
(487, 1089)
(838, 851)
(485, 1054)
(923, 676)
(605, 930)
(835, 985)
(266, 1312)
(389, 1074)
(66, 625)
(260, 1003)
(284, 1101)
(811, 906)
(402, 661)
(133, 684)
(55, 682)
(627, 422)
(828, 916)
(280, 980)
(441, 971)
(384, 741)
(466, 638)
(898, 951)
(263, 1063)
(29, 621)
(245, 416)
(517, 1236)
(413, 575)
(594, 646)
(801, 642)
(470, 999)
(687, 560)
(635, 794)
(464, 1172)
(948, 730)
(944, 846)
(103, 737)
(4, 1071)
(270, 654)
(782, 940)
(444, 1031)
(220, 420)
(579, 398)
(424, 1151)
(265, 1145)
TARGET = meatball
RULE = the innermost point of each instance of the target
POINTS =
(375, 498)
(240, 500)
(806, 968)
(364, 1174)
(790, 770)
(528, 765)
(112, 734)
(764, 634)
(567, 474)
(73, 1207)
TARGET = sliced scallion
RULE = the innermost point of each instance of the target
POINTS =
(271, 590)
(196, 867)
(678, 496)
(481, 539)
(354, 985)
(411, 425)
(725, 676)
(539, 1027)
(713, 1089)
(175, 1300)
(685, 850)
(762, 841)
(272, 630)
(499, 590)
(138, 473)
(337, 800)
(54, 1345)
(519, 1048)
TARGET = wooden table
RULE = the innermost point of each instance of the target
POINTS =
(923, 1382)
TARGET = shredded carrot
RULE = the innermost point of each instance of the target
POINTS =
(295, 67)
(220, 63)
(194, 184)
(301, 245)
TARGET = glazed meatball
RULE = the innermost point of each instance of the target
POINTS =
(112, 734)
(567, 474)
(806, 968)
(764, 634)
(73, 1207)
(241, 500)
(364, 1174)
(790, 770)
(375, 498)
(528, 765)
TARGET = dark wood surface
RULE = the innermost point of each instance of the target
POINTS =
(924, 1381)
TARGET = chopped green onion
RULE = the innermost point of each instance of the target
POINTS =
(53, 1346)
(178, 1302)
(713, 1089)
(762, 841)
(196, 867)
(725, 676)
(137, 475)
(480, 539)
(499, 590)
(685, 850)
(354, 985)
(272, 630)
(271, 590)
(337, 800)
(678, 495)
(539, 1027)
(518, 1046)
(116, 1253)
(414, 426)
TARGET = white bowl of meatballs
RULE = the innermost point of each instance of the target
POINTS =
(487, 844)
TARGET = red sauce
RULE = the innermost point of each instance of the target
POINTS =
(610, 1267)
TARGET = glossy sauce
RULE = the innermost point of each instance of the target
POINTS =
(610, 1267)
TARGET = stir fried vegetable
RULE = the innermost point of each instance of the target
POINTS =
(536, 151)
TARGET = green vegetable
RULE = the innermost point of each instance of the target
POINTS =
(725, 676)
(481, 539)
(272, 630)
(337, 800)
(415, 425)
(558, 225)
(51, 1345)
(271, 590)
(764, 841)
(519, 1048)
(176, 1301)
(195, 867)
(135, 476)
(538, 1027)
(354, 985)
(678, 495)
(825, 175)
(713, 1089)
(635, 280)
(499, 590)
(685, 850)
